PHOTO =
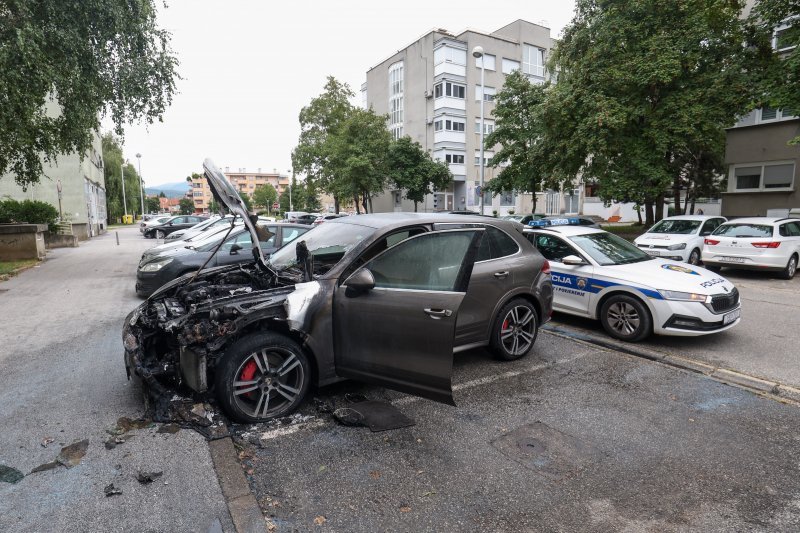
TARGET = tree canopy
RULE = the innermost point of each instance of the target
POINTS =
(265, 195)
(644, 88)
(64, 64)
(412, 169)
(113, 166)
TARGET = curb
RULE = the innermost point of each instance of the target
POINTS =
(242, 505)
(773, 390)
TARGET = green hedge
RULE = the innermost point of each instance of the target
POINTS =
(27, 211)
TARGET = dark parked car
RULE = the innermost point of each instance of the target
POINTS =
(382, 298)
(178, 223)
(156, 270)
(308, 218)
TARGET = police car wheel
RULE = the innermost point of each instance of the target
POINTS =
(694, 257)
(515, 329)
(625, 318)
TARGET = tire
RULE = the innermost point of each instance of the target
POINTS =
(250, 391)
(791, 268)
(626, 318)
(148, 235)
(694, 257)
(160, 234)
(514, 330)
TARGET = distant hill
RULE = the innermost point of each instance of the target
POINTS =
(171, 190)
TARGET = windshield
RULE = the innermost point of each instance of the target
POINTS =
(327, 244)
(744, 231)
(608, 249)
(676, 227)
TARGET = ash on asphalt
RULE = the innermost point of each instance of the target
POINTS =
(570, 438)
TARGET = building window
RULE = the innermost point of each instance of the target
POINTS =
(533, 60)
(487, 158)
(781, 40)
(454, 125)
(448, 54)
(488, 126)
(510, 65)
(767, 176)
(437, 126)
(487, 93)
(454, 159)
(453, 90)
(396, 99)
(508, 198)
(488, 62)
(769, 114)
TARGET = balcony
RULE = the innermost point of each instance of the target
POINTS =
(446, 67)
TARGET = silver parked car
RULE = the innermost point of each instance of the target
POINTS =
(382, 298)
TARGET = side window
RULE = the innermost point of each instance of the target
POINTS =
(243, 240)
(794, 229)
(379, 246)
(783, 230)
(429, 262)
(290, 234)
(553, 248)
(178, 220)
(709, 226)
(496, 244)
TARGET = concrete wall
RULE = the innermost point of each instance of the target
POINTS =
(22, 241)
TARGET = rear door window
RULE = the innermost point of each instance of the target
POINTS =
(552, 247)
(744, 231)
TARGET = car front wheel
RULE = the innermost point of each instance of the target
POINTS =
(515, 330)
(625, 318)
(694, 257)
(160, 234)
(262, 376)
(791, 268)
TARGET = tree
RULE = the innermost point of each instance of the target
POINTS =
(246, 200)
(82, 60)
(264, 196)
(358, 155)
(320, 122)
(520, 130)
(112, 167)
(412, 169)
(161, 194)
(186, 206)
(644, 86)
(781, 82)
(151, 204)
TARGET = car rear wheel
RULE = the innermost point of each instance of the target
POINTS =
(515, 330)
(791, 268)
(262, 376)
(694, 257)
(160, 234)
(625, 318)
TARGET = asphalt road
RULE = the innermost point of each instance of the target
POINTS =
(765, 344)
(572, 438)
(63, 378)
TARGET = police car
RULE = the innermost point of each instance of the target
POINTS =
(599, 275)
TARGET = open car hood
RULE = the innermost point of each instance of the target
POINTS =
(225, 194)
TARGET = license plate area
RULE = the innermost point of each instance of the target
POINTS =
(728, 259)
(731, 317)
(654, 253)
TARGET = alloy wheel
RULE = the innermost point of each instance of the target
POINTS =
(792, 268)
(267, 382)
(623, 318)
(517, 333)
(694, 257)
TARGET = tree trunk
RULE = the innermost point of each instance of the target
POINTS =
(533, 209)
(369, 199)
(694, 199)
(415, 206)
(358, 207)
(676, 190)
(659, 207)
(689, 192)
(648, 213)
(364, 201)
(639, 214)
(336, 203)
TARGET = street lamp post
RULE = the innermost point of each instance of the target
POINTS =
(122, 178)
(141, 181)
(478, 52)
(291, 178)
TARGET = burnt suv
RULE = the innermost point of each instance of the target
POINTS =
(382, 298)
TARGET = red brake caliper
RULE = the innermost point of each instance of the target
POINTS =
(505, 324)
(247, 374)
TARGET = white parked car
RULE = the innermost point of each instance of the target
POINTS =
(599, 275)
(756, 243)
(153, 221)
(679, 238)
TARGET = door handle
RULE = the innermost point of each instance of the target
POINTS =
(501, 275)
(437, 314)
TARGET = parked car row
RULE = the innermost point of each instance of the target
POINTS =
(258, 312)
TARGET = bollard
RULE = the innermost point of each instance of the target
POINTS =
(117, 234)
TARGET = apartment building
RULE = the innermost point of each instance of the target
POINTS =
(763, 169)
(243, 180)
(431, 90)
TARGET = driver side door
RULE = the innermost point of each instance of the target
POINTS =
(399, 333)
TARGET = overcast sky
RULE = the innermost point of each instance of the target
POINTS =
(250, 66)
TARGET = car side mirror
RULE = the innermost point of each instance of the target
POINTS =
(360, 282)
(573, 260)
(235, 249)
